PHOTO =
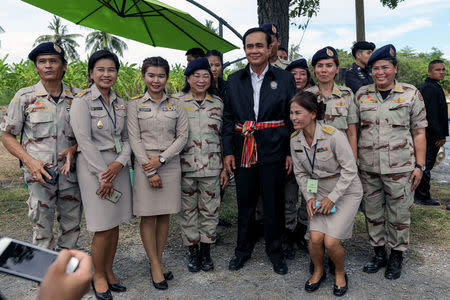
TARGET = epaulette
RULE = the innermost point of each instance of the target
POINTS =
(294, 133)
(25, 90)
(136, 97)
(81, 94)
(177, 95)
(328, 129)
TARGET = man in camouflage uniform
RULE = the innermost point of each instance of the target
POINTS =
(202, 173)
(274, 59)
(40, 114)
(390, 158)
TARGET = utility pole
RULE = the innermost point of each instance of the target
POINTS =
(360, 26)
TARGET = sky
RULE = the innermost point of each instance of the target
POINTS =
(419, 24)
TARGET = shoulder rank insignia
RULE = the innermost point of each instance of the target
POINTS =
(294, 134)
(328, 129)
(81, 94)
(136, 97)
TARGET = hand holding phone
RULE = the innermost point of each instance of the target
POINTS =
(58, 284)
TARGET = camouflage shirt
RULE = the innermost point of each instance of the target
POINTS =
(44, 123)
(341, 110)
(202, 155)
(385, 145)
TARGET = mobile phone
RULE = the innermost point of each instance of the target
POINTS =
(53, 173)
(332, 211)
(28, 261)
(115, 196)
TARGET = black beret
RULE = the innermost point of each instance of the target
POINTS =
(362, 45)
(271, 29)
(200, 63)
(99, 54)
(299, 63)
(387, 52)
(324, 53)
(46, 48)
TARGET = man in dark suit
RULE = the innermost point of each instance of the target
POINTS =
(256, 129)
(437, 112)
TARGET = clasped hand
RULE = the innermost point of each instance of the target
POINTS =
(152, 164)
(323, 208)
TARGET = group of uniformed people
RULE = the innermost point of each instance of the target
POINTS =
(75, 146)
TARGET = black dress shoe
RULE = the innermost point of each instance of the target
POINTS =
(394, 265)
(340, 290)
(311, 287)
(168, 275)
(377, 261)
(429, 201)
(102, 296)
(280, 267)
(159, 285)
(117, 287)
(237, 262)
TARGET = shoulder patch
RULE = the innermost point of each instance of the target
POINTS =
(136, 97)
(294, 133)
(81, 94)
(328, 129)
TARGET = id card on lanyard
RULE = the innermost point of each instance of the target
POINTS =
(117, 145)
(312, 184)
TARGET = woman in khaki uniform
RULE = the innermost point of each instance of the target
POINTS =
(98, 119)
(158, 131)
(328, 178)
(340, 109)
(201, 165)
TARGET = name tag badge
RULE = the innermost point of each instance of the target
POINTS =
(146, 109)
(94, 108)
(117, 145)
(311, 185)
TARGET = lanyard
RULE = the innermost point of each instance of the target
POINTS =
(107, 111)
(313, 160)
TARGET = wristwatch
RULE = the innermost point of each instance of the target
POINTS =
(162, 160)
(421, 167)
(150, 175)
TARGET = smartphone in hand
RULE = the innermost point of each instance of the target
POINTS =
(28, 261)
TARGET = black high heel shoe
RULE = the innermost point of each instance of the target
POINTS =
(101, 296)
(340, 291)
(159, 285)
(311, 287)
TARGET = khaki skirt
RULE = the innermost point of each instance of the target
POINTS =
(339, 224)
(149, 201)
(102, 214)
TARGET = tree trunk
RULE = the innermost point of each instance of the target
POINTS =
(276, 12)
(360, 26)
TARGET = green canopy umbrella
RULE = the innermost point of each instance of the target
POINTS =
(147, 21)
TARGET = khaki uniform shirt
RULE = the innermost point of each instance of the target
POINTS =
(385, 145)
(156, 126)
(341, 109)
(334, 156)
(280, 63)
(95, 131)
(202, 155)
(44, 125)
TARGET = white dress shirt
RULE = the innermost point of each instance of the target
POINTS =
(256, 84)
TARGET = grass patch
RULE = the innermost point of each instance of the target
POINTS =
(430, 225)
(12, 201)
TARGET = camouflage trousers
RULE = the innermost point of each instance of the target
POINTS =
(388, 195)
(292, 214)
(41, 210)
(199, 215)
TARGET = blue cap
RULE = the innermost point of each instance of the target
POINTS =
(271, 29)
(387, 52)
(299, 63)
(324, 53)
(200, 63)
(46, 48)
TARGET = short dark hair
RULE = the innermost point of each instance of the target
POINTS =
(434, 62)
(212, 87)
(215, 53)
(195, 52)
(308, 101)
(155, 61)
(100, 54)
(283, 49)
(257, 29)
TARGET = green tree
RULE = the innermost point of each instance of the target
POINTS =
(210, 25)
(61, 37)
(98, 40)
(294, 52)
